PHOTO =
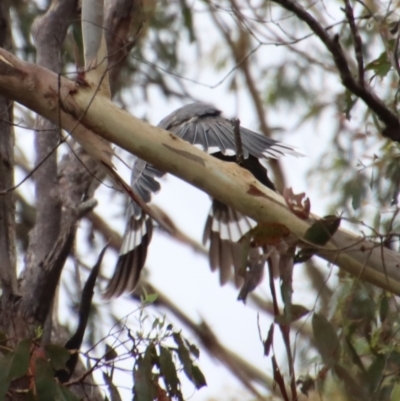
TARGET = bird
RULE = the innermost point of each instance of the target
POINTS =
(204, 126)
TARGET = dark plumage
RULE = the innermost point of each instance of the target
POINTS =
(202, 125)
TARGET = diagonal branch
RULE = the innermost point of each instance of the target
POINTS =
(36, 88)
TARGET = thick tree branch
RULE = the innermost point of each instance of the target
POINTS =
(94, 43)
(36, 88)
(390, 119)
(49, 32)
(8, 274)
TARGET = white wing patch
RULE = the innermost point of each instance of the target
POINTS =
(136, 230)
(233, 230)
(279, 149)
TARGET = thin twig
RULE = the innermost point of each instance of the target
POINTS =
(357, 41)
(396, 51)
(391, 121)
(38, 165)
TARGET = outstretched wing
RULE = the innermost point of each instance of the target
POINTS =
(203, 125)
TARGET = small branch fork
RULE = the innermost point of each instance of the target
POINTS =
(392, 129)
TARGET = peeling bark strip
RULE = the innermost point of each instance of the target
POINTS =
(218, 179)
(188, 155)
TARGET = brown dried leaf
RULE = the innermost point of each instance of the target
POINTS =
(268, 341)
(279, 378)
(297, 204)
(265, 234)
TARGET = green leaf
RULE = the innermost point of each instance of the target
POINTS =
(183, 355)
(395, 395)
(198, 378)
(381, 66)
(319, 234)
(156, 323)
(47, 387)
(192, 372)
(353, 388)
(194, 351)
(384, 307)
(58, 356)
(150, 298)
(151, 354)
(188, 20)
(65, 394)
(110, 353)
(143, 388)
(168, 371)
(375, 374)
(326, 339)
(394, 357)
(112, 388)
(20, 360)
(5, 364)
(44, 370)
(355, 358)
(357, 194)
(322, 230)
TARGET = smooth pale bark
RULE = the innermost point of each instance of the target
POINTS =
(8, 274)
(94, 44)
(49, 32)
(84, 111)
